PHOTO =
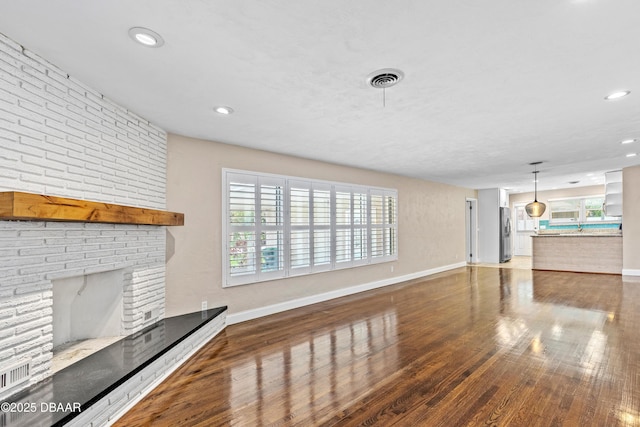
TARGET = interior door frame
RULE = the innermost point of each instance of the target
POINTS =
(517, 232)
(471, 230)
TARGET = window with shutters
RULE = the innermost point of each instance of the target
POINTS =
(279, 226)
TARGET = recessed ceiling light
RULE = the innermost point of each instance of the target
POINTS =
(224, 110)
(617, 95)
(628, 141)
(146, 37)
(632, 154)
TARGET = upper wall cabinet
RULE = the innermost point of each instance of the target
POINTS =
(613, 193)
(503, 198)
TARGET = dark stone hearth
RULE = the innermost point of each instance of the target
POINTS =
(87, 381)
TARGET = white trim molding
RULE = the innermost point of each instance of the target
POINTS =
(255, 313)
(630, 272)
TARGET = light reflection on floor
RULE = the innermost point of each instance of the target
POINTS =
(326, 354)
(527, 320)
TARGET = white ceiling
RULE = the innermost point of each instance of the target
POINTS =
(489, 86)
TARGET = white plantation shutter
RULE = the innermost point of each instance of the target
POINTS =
(352, 226)
(278, 226)
(343, 225)
(391, 225)
(360, 227)
(384, 225)
(321, 231)
(377, 225)
(271, 228)
(241, 248)
(300, 226)
(255, 228)
(241, 230)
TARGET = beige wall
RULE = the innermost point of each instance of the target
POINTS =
(431, 226)
(631, 220)
(544, 196)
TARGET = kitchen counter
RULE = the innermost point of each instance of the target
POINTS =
(581, 252)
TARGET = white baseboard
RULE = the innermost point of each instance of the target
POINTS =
(255, 313)
(630, 272)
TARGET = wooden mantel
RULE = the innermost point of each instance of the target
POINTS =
(16, 205)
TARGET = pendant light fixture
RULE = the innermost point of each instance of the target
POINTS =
(535, 209)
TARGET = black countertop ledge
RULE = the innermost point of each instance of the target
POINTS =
(58, 399)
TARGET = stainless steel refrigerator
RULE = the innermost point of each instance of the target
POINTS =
(505, 235)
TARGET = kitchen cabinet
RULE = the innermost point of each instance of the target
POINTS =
(613, 193)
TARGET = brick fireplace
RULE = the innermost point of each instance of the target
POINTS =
(60, 137)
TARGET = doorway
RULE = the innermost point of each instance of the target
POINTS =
(524, 229)
(471, 222)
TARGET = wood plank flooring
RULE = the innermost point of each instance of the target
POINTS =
(475, 346)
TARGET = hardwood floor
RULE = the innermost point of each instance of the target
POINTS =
(517, 261)
(474, 346)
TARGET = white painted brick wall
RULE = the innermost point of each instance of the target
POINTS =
(60, 137)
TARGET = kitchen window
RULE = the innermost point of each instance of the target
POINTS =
(578, 210)
(280, 226)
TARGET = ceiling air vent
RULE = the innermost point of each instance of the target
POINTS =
(384, 78)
